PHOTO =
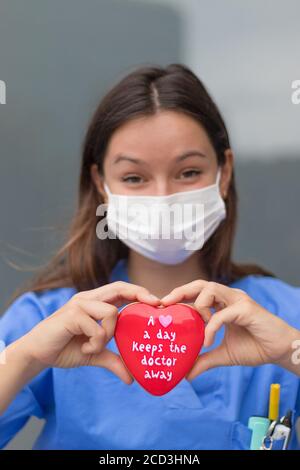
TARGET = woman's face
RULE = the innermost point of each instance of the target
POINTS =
(159, 155)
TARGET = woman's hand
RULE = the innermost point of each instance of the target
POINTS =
(72, 336)
(253, 336)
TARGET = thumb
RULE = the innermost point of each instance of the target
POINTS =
(208, 360)
(113, 362)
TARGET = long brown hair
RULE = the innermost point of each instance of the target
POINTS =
(85, 262)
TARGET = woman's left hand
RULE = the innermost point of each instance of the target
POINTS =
(253, 336)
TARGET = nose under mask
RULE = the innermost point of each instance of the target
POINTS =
(167, 229)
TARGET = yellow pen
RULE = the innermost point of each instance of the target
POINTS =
(274, 401)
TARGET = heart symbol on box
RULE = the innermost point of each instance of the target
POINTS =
(159, 345)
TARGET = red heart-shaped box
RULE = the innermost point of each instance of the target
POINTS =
(159, 345)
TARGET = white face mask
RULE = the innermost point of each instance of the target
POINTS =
(167, 229)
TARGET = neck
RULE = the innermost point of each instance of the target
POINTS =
(159, 278)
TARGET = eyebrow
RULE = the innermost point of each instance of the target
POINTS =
(187, 154)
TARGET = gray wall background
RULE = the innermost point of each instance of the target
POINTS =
(59, 57)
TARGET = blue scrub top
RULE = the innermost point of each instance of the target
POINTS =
(91, 408)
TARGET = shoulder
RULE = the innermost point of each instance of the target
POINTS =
(274, 294)
(29, 309)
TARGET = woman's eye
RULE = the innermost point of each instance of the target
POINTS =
(132, 179)
(190, 173)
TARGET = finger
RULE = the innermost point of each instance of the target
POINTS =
(118, 292)
(96, 309)
(219, 306)
(101, 311)
(215, 358)
(84, 325)
(209, 297)
(231, 314)
(96, 343)
(203, 310)
(220, 293)
(112, 362)
(188, 292)
(215, 294)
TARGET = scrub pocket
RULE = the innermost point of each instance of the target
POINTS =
(201, 429)
(240, 436)
(191, 423)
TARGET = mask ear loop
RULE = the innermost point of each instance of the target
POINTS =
(106, 189)
(218, 176)
(218, 182)
(108, 193)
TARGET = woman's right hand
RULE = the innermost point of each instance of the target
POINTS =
(72, 336)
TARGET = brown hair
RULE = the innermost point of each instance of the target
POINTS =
(85, 261)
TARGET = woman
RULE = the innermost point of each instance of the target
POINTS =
(157, 136)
